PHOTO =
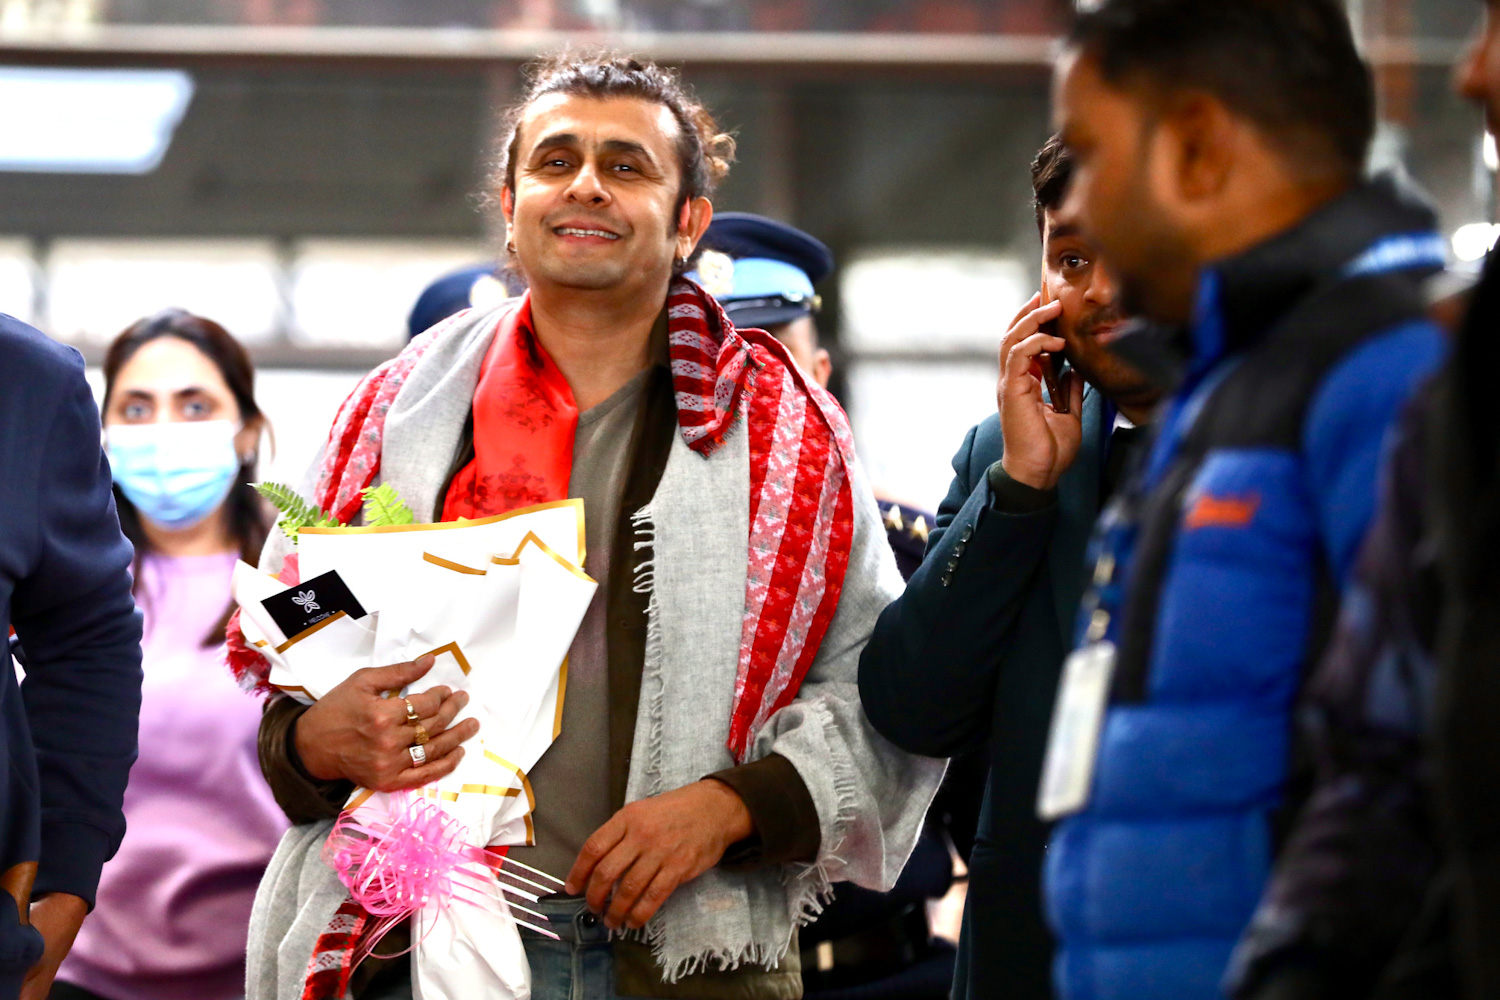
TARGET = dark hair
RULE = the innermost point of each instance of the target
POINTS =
(248, 523)
(1290, 66)
(703, 152)
(1050, 173)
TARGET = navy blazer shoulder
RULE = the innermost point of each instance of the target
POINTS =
(68, 731)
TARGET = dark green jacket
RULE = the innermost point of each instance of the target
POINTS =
(970, 655)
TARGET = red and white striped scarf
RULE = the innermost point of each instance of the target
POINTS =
(801, 502)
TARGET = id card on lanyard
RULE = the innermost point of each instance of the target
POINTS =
(1077, 721)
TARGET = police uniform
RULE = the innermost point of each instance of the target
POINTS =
(906, 528)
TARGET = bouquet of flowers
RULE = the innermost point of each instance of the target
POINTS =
(497, 602)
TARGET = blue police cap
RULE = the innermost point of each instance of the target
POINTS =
(477, 286)
(761, 271)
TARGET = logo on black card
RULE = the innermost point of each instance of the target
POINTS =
(298, 608)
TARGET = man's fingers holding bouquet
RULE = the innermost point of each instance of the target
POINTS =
(443, 754)
(378, 680)
(433, 721)
(357, 732)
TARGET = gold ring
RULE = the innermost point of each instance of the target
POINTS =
(411, 713)
(422, 736)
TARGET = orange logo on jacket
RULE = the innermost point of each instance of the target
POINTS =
(1209, 511)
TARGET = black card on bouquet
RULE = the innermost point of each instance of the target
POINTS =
(298, 608)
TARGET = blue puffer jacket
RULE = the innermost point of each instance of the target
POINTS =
(1216, 576)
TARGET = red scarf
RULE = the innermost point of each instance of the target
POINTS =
(524, 422)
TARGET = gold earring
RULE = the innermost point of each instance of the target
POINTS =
(510, 246)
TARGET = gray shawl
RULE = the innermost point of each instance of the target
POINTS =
(870, 797)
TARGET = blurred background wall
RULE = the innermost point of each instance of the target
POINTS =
(307, 166)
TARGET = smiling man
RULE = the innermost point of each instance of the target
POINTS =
(969, 655)
(714, 773)
(1219, 150)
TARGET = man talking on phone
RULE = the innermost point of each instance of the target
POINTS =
(971, 652)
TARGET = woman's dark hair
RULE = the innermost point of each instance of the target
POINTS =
(248, 521)
(1290, 66)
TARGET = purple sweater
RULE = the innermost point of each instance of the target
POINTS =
(174, 903)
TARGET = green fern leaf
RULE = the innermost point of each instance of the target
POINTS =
(282, 497)
(384, 507)
(296, 513)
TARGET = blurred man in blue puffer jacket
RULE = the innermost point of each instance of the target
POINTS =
(1389, 885)
(1218, 155)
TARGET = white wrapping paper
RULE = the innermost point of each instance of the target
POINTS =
(497, 602)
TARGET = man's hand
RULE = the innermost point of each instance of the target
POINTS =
(356, 733)
(57, 916)
(651, 847)
(1040, 443)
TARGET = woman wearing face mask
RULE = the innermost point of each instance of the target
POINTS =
(181, 427)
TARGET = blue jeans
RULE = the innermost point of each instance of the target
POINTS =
(578, 967)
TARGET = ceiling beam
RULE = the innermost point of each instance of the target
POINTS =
(421, 47)
(395, 48)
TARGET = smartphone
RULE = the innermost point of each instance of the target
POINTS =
(1051, 364)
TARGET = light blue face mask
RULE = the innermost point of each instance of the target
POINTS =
(176, 474)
